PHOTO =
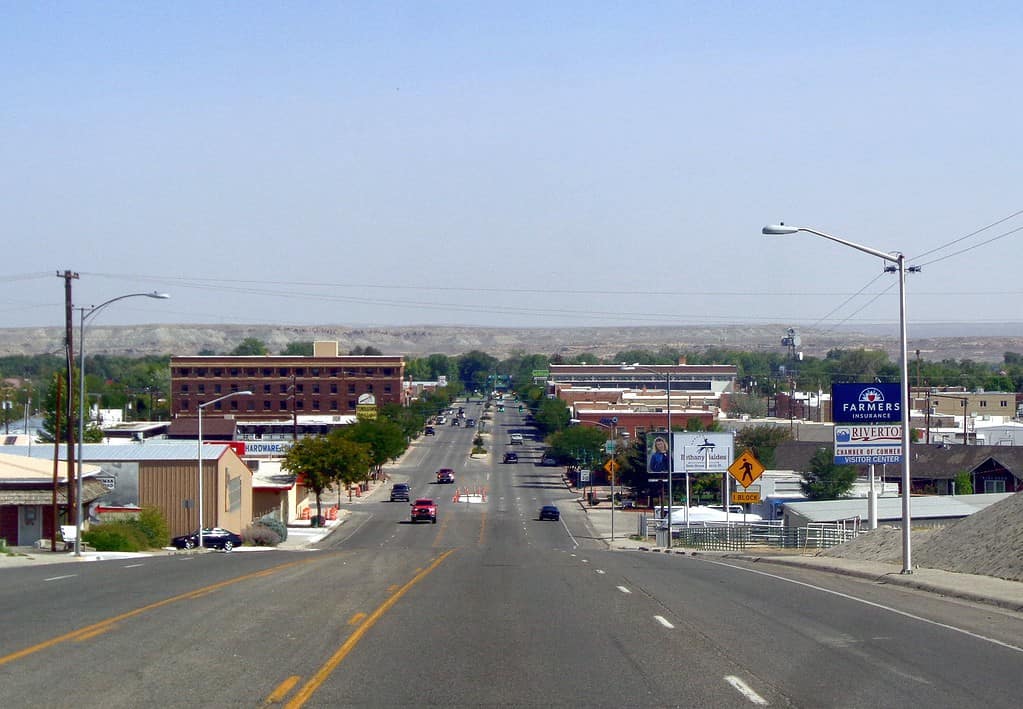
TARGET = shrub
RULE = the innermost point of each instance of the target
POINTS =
(274, 524)
(153, 526)
(261, 535)
(116, 536)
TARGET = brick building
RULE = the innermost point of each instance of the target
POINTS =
(325, 383)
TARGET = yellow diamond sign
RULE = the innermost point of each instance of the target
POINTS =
(611, 466)
(746, 469)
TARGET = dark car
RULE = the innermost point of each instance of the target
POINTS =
(400, 491)
(511, 458)
(215, 538)
(445, 475)
(550, 512)
(429, 431)
(470, 422)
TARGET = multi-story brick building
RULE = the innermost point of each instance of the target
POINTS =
(325, 383)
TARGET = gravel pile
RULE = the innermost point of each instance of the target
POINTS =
(989, 543)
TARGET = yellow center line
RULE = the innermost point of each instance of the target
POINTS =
(331, 664)
(104, 625)
(282, 690)
(356, 619)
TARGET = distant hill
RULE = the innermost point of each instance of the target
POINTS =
(138, 340)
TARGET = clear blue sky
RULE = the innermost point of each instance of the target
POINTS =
(527, 164)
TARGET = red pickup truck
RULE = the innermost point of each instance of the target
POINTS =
(424, 509)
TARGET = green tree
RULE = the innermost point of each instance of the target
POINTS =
(552, 415)
(250, 346)
(350, 461)
(741, 404)
(385, 439)
(826, 480)
(964, 483)
(578, 445)
(762, 441)
(298, 349)
(360, 351)
(310, 458)
(473, 368)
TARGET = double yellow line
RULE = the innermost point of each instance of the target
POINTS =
(91, 631)
(338, 657)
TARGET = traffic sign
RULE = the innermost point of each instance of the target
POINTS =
(743, 498)
(746, 469)
(611, 466)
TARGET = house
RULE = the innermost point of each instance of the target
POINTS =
(166, 476)
(27, 496)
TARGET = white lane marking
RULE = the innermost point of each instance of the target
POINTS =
(600, 571)
(623, 589)
(586, 561)
(879, 606)
(133, 566)
(664, 621)
(746, 691)
(575, 544)
(59, 578)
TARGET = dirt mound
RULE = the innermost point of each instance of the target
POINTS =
(989, 543)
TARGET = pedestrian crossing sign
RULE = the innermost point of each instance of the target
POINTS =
(746, 469)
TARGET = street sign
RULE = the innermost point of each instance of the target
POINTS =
(584, 476)
(609, 447)
(868, 443)
(744, 498)
(746, 469)
(611, 466)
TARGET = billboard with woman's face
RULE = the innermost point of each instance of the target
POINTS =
(658, 459)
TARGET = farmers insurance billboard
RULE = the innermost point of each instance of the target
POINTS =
(868, 423)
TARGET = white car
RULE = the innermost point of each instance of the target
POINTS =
(516, 439)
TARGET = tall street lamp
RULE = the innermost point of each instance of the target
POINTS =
(85, 314)
(610, 473)
(671, 456)
(898, 260)
(199, 408)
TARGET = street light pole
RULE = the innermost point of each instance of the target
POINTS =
(898, 260)
(199, 409)
(85, 314)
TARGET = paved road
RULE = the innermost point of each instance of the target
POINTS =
(488, 607)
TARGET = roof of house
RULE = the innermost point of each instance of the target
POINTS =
(153, 450)
(890, 508)
(20, 468)
(934, 462)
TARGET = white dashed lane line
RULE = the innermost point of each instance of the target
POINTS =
(664, 621)
(746, 691)
(625, 590)
(61, 578)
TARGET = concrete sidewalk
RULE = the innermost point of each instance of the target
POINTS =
(978, 589)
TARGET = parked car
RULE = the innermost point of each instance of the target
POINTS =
(429, 431)
(445, 475)
(400, 491)
(424, 509)
(550, 512)
(511, 458)
(215, 538)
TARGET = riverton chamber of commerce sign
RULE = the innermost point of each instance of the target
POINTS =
(868, 423)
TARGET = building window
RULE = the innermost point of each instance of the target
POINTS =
(283, 388)
(316, 387)
(333, 387)
(983, 404)
(250, 372)
(218, 372)
(316, 404)
(333, 404)
(234, 404)
(184, 406)
(369, 388)
(991, 486)
(201, 388)
(200, 372)
(251, 405)
(234, 371)
(387, 388)
(351, 404)
(216, 388)
(386, 371)
(283, 372)
(267, 372)
(334, 371)
(184, 388)
(351, 388)
(1003, 403)
(282, 405)
(299, 405)
(299, 371)
(266, 388)
(266, 404)
(314, 371)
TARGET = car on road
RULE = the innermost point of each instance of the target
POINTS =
(550, 512)
(511, 458)
(516, 439)
(214, 538)
(470, 422)
(430, 431)
(445, 475)
(400, 491)
(456, 422)
(424, 509)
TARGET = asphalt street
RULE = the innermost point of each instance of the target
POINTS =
(488, 607)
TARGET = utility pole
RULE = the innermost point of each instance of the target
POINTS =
(72, 509)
